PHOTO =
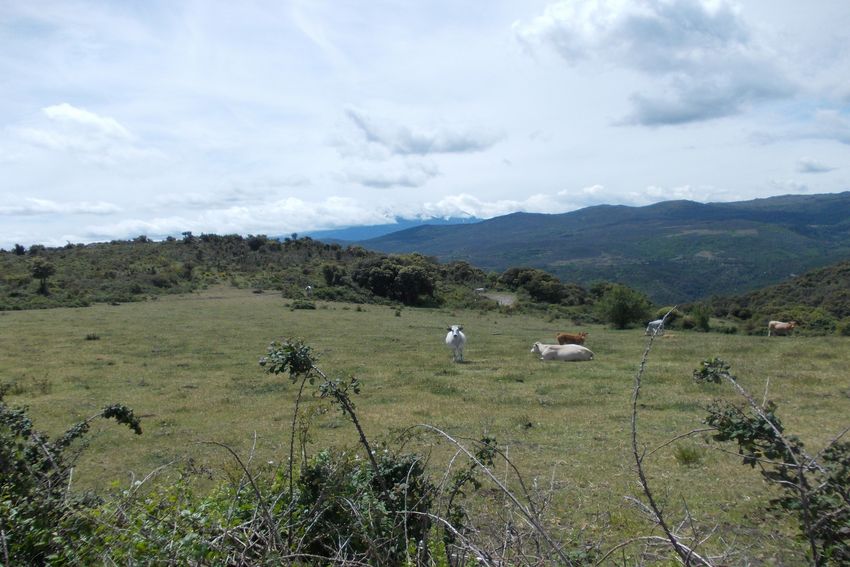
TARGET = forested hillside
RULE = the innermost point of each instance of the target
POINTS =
(819, 300)
(673, 251)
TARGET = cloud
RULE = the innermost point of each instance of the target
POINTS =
(103, 124)
(809, 165)
(85, 134)
(401, 140)
(34, 207)
(412, 174)
(278, 217)
(699, 54)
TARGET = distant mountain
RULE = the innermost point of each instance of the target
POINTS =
(674, 251)
(355, 233)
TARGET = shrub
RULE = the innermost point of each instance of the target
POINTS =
(302, 304)
(48, 522)
(701, 314)
(622, 306)
(816, 490)
(688, 455)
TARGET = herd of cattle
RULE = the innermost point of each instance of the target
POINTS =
(570, 347)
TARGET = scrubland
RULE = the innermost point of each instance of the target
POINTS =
(188, 365)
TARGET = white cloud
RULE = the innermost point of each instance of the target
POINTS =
(29, 206)
(105, 125)
(84, 134)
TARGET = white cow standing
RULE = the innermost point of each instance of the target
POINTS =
(566, 353)
(455, 339)
(655, 327)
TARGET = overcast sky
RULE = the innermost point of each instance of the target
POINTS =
(270, 117)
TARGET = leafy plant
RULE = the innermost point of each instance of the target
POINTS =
(816, 490)
(40, 519)
(622, 306)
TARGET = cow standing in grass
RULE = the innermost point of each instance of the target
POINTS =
(655, 328)
(571, 338)
(775, 328)
(455, 340)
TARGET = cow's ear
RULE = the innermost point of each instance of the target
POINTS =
(448, 328)
(460, 328)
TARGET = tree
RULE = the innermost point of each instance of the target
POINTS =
(19, 250)
(413, 282)
(622, 306)
(41, 270)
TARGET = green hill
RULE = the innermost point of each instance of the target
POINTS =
(674, 251)
(133, 270)
(819, 300)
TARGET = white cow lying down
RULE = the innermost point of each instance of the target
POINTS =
(567, 353)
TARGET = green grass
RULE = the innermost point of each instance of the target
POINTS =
(189, 366)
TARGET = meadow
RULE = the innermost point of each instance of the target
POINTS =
(188, 365)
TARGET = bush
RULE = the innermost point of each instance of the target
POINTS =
(622, 306)
(701, 314)
(302, 304)
(47, 522)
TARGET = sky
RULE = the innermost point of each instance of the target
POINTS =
(120, 119)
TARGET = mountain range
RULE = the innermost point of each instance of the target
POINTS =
(674, 251)
(356, 233)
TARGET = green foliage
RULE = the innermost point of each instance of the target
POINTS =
(291, 356)
(41, 270)
(135, 270)
(688, 455)
(818, 300)
(542, 286)
(712, 370)
(701, 314)
(352, 507)
(41, 522)
(673, 315)
(410, 279)
(817, 493)
(622, 306)
(302, 304)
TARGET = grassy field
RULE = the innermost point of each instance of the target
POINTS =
(189, 366)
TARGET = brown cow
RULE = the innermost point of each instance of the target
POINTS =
(775, 328)
(571, 338)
